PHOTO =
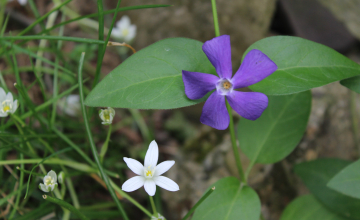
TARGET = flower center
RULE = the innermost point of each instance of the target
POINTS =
(149, 172)
(224, 87)
(125, 32)
(48, 181)
(6, 106)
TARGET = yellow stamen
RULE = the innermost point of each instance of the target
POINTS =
(107, 117)
(148, 173)
(125, 32)
(6, 108)
(226, 85)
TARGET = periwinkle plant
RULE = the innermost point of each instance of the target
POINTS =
(270, 93)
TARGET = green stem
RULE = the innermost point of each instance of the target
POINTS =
(354, 120)
(216, 21)
(142, 124)
(101, 38)
(207, 194)
(153, 206)
(105, 145)
(28, 172)
(92, 144)
(233, 143)
(65, 205)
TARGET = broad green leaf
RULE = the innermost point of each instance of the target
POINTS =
(316, 174)
(308, 208)
(229, 201)
(302, 65)
(152, 77)
(352, 83)
(279, 129)
(347, 181)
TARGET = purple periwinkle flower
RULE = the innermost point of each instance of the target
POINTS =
(255, 67)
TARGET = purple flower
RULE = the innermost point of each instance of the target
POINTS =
(250, 105)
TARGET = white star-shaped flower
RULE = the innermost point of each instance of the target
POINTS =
(7, 103)
(149, 174)
(107, 115)
(160, 217)
(70, 105)
(50, 182)
(124, 30)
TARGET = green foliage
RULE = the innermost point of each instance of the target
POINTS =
(302, 65)
(316, 174)
(229, 201)
(347, 181)
(308, 208)
(352, 83)
(152, 77)
(279, 129)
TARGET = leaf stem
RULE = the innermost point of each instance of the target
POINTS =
(105, 145)
(153, 206)
(65, 205)
(234, 146)
(207, 194)
(216, 21)
(92, 144)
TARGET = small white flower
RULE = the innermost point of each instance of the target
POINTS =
(50, 182)
(149, 174)
(107, 115)
(71, 105)
(61, 177)
(160, 217)
(7, 103)
(21, 2)
(124, 30)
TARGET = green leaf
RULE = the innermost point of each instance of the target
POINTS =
(229, 201)
(352, 83)
(302, 65)
(279, 129)
(308, 208)
(152, 77)
(347, 181)
(316, 174)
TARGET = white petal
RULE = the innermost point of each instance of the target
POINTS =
(131, 35)
(22, 2)
(134, 166)
(163, 167)
(166, 183)
(43, 187)
(133, 184)
(152, 155)
(3, 114)
(15, 106)
(112, 111)
(10, 97)
(124, 22)
(52, 174)
(116, 33)
(150, 187)
(2, 94)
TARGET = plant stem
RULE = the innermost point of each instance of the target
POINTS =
(207, 194)
(153, 206)
(92, 144)
(66, 205)
(234, 146)
(216, 21)
(105, 145)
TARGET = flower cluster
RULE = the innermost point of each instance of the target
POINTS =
(7, 103)
(124, 30)
(255, 67)
(150, 173)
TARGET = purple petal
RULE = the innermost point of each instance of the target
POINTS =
(218, 51)
(255, 67)
(249, 105)
(198, 84)
(214, 112)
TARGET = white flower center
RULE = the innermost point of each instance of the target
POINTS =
(6, 106)
(107, 115)
(224, 87)
(49, 181)
(149, 172)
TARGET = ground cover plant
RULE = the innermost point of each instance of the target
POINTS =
(82, 149)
